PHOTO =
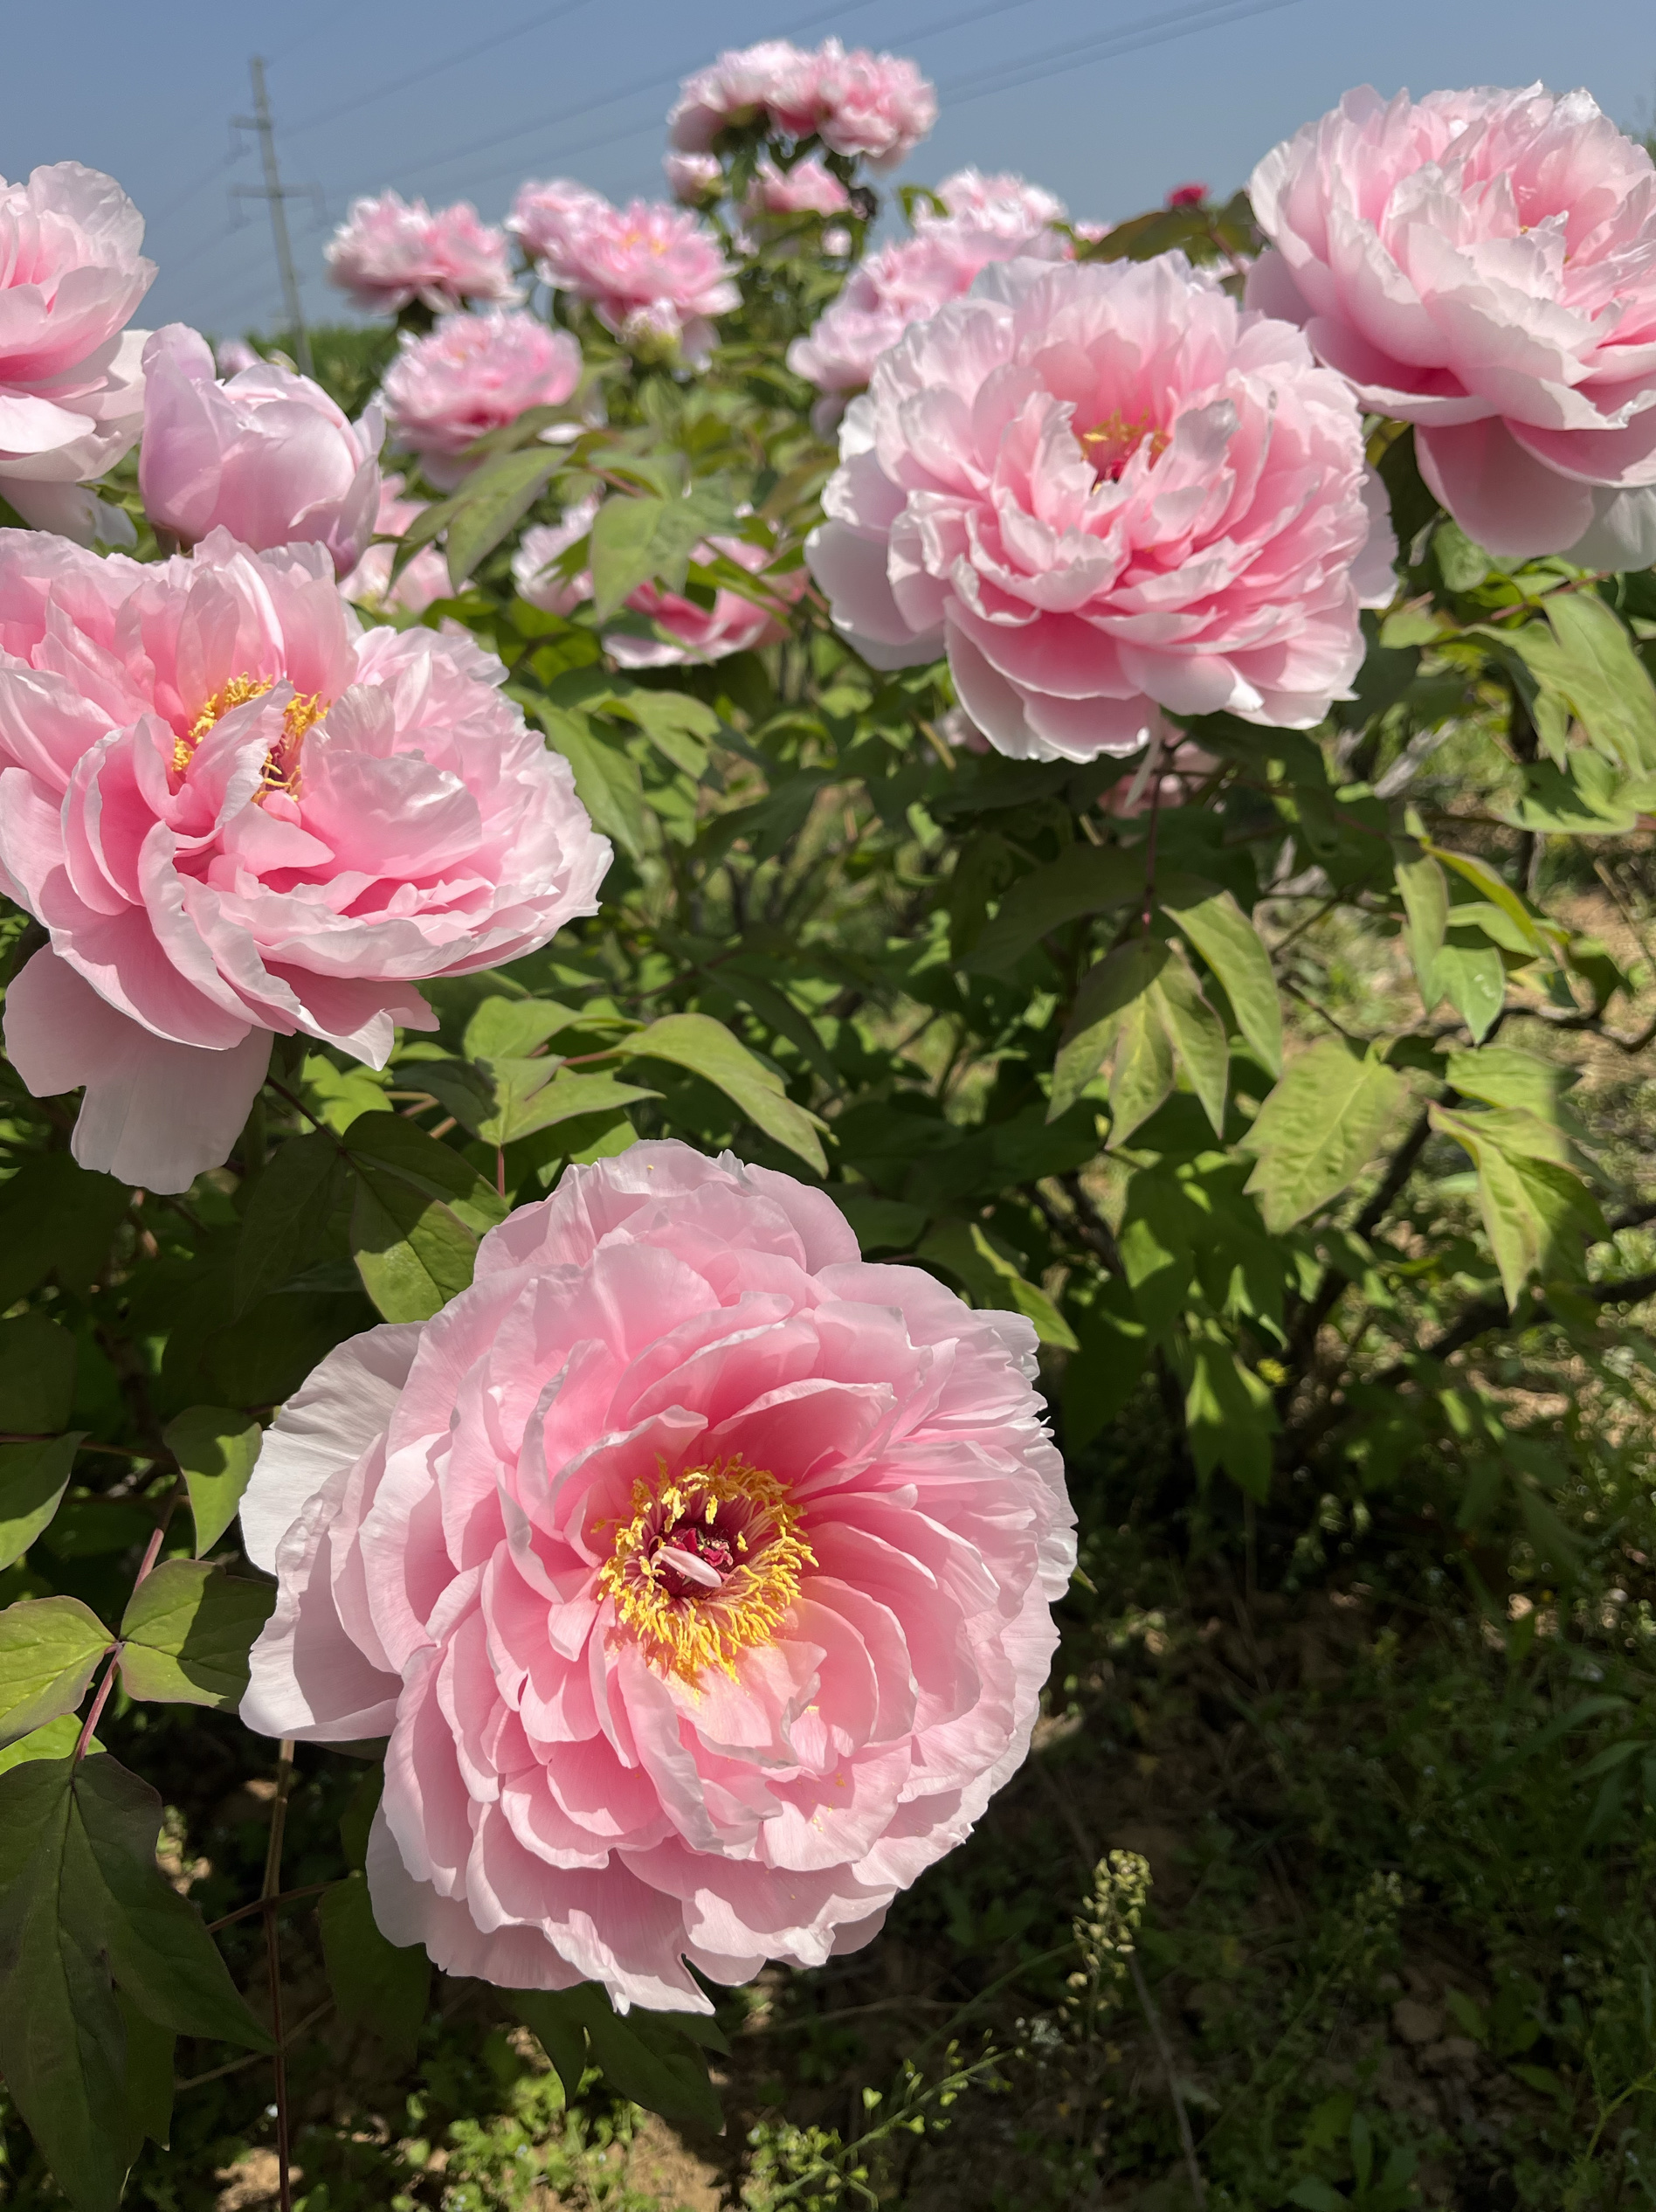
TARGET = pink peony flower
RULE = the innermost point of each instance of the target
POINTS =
(266, 456)
(471, 374)
(692, 178)
(809, 187)
(654, 274)
(234, 355)
(733, 624)
(994, 216)
(878, 105)
(389, 253)
(1102, 489)
(741, 87)
(237, 814)
(532, 570)
(875, 105)
(700, 1574)
(902, 284)
(71, 385)
(1483, 264)
(425, 579)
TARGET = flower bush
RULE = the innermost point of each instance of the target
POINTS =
(632, 1052)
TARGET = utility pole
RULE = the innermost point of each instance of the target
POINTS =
(277, 194)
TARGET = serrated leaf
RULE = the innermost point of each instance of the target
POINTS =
(1318, 1129)
(994, 1279)
(49, 1649)
(1233, 949)
(376, 1983)
(284, 1230)
(215, 1449)
(707, 1049)
(1425, 893)
(33, 1478)
(186, 1633)
(493, 500)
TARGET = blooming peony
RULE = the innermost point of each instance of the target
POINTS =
(235, 813)
(70, 386)
(994, 216)
(700, 1573)
(737, 90)
(902, 284)
(1483, 264)
(1103, 489)
(654, 274)
(424, 579)
(878, 105)
(389, 253)
(471, 374)
(809, 187)
(266, 456)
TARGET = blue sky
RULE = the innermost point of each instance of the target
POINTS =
(1109, 102)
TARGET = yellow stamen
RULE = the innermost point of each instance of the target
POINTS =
(281, 762)
(1110, 445)
(708, 1565)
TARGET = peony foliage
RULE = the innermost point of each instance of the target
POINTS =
(596, 1112)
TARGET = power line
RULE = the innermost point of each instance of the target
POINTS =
(1214, 14)
(435, 68)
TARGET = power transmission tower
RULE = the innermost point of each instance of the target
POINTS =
(277, 194)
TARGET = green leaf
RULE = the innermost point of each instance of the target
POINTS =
(54, 1739)
(1085, 879)
(879, 1224)
(1583, 656)
(215, 1449)
(49, 1649)
(1425, 893)
(1197, 1035)
(33, 1478)
(624, 549)
(1233, 949)
(1528, 936)
(653, 2057)
(284, 1230)
(708, 1049)
(38, 1362)
(1112, 1348)
(376, 1983)
(1473, 979)
(559, 1100)
(494, 498)
(416, 1215)
(187, 1632)
(84, 1910)
(1108, 992)
(1229, 1412)
(150, 2075)
(607, 782)
(57, 1218)
(511, 1028)
(1537, 1214)
(1319, 1129)
(1506, 1075)
(991, 1275)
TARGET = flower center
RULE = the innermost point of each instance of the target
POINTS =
(1110, 445)
(708, 1564)
(281, 762)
